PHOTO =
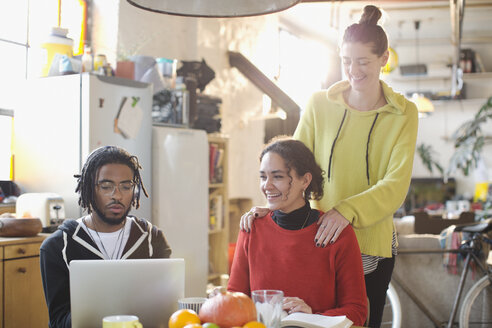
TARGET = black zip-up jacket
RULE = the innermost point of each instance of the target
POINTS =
(71, 242)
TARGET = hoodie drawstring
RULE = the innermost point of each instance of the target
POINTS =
(367, 148)
(64, 249)
(334, 142)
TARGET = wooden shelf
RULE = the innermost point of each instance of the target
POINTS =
(477, 76)
(211, 232)
(218, 235)
(213, 276)
(426, 78)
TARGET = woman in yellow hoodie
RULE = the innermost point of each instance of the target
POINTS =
(363, 135)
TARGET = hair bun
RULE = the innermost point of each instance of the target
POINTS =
(370, 16)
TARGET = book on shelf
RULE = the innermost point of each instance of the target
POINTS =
(479, 66)
(216, 155)
(306, 320)
(216, 216)
(211, 155)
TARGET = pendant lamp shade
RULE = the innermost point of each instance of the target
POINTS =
(214, 8)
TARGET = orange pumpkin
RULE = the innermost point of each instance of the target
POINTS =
(228, 309)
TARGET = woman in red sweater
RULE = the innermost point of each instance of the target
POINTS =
(278, 253)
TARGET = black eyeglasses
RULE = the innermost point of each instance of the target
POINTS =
(107, 188)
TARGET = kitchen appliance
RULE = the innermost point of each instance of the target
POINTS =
(48, 207)
(62, 119)
(180, 176)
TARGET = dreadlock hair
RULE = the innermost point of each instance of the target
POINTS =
(86, 181)
(368, 30)
(298, 157)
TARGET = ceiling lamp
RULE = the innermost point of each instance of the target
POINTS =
(214, 8)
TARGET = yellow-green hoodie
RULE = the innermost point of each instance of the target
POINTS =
(367, 157)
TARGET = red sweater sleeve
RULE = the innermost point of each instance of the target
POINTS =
(350, 284)
(239, 278)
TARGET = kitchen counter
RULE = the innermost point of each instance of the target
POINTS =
(4, 241)
(22, 302)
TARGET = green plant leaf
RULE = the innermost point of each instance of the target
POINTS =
(426, 154)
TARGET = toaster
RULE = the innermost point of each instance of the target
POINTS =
(48, 207)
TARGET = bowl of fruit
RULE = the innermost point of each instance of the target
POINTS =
(224, 310)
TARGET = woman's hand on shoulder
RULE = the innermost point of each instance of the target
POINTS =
(295, 304)
(331, 226)
(247, 218)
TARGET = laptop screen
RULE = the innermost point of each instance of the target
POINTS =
(147, 288)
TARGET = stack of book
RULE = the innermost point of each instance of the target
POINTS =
(216, 155)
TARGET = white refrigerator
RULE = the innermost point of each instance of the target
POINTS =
(180, 199)
(63, 118)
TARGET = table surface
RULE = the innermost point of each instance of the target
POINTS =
(22, 240)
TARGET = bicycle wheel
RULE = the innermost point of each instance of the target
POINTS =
(476, 311)
(392, 309)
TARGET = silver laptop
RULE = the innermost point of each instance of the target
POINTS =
(147, 288)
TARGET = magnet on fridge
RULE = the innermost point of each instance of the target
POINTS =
(128, 119)
(101, 102)
(135, 101)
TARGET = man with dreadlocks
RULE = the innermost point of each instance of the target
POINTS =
(109, 186)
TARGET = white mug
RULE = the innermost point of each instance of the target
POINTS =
(121, 321)
(191, 303)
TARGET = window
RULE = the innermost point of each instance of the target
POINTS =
(23, 26)
(6, 124)
(309, 61)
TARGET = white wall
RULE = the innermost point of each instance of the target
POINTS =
(255, 38)
(105, 20)
(121, 29)
(143, 32)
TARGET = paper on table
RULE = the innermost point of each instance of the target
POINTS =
(129, 119)
(315, 321)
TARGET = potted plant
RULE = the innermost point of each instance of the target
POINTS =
(468, 140)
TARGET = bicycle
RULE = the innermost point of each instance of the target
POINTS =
(392, 309)
(476, 308)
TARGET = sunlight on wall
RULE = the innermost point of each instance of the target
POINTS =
(304, 66)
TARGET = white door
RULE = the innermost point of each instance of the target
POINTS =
(180, 199)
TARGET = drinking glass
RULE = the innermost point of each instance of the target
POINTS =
(268, 304)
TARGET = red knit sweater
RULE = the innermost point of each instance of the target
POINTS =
(330, 280)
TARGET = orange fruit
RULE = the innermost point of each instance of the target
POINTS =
(184, 317)
(254, 324)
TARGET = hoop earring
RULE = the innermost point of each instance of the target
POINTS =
(304, 193)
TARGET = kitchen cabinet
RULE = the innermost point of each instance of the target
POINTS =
(218, 234)
(7, 208)
(22, 302)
